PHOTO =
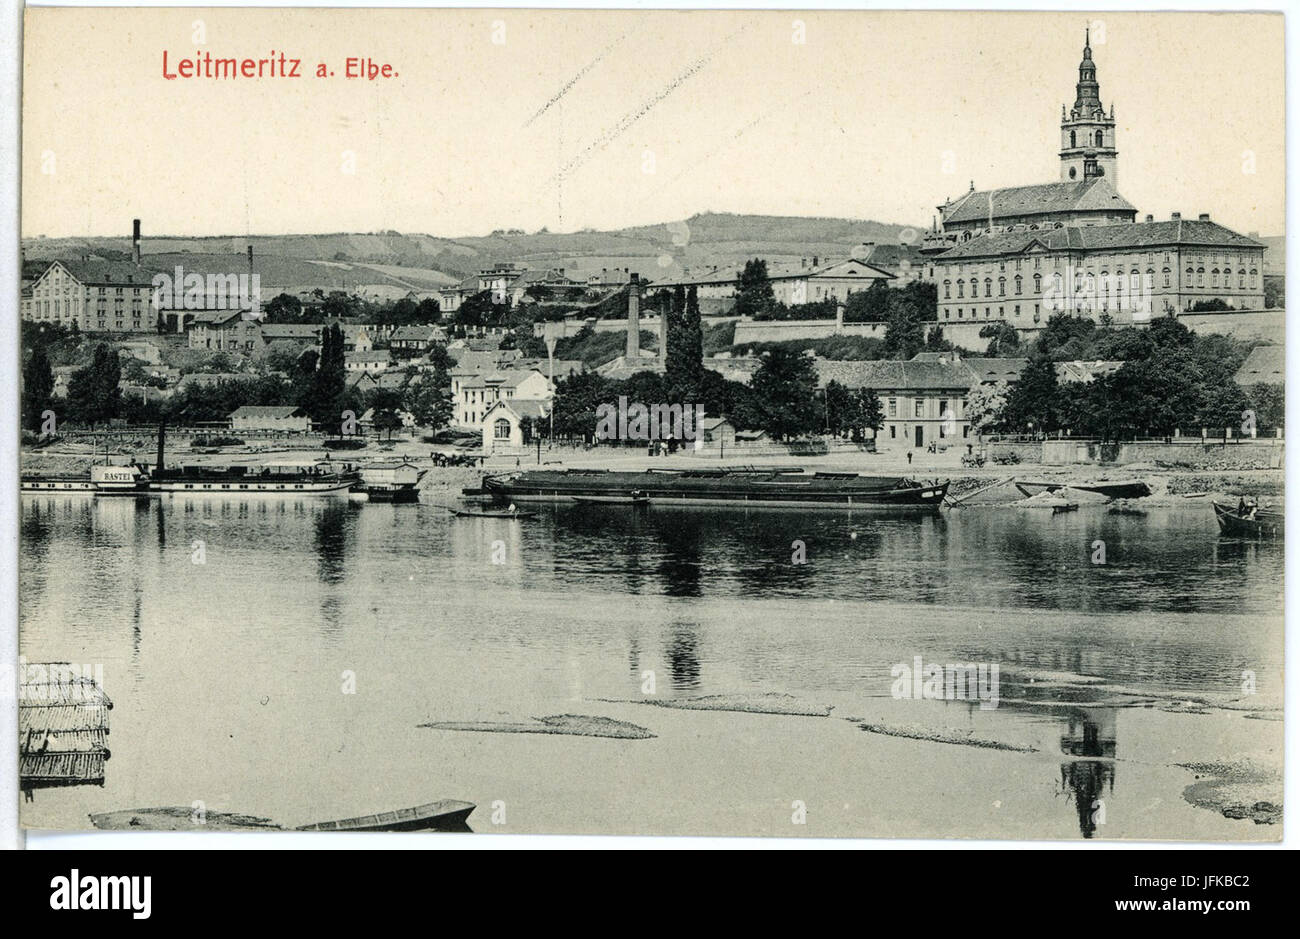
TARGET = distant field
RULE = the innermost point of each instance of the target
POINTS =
(658, 252)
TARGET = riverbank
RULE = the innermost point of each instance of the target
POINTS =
(443, 484)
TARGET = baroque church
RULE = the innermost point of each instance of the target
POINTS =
(1021, 253)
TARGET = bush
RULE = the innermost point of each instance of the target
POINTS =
(215, 440)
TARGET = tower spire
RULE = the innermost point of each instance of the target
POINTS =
(1087, 133)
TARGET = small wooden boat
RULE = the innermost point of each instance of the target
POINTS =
(489, 513)
(1065, 507)
(1130, 489)
(444, 815)
(1265, 524)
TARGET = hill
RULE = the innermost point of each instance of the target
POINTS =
(655, 251)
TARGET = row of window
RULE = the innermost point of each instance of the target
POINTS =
(1087, 282)
(1227, 262)
(1097, 138)
(918, 408)
(988, 312)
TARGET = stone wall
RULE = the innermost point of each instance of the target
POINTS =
(1267, 325)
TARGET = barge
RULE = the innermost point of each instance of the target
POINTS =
(293, 477)
(788, 487)
(286, 477)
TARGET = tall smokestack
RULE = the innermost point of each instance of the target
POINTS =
(634, 317)
(250, 260)
(135, 240)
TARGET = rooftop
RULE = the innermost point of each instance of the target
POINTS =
(1266, 365)
(1175, 232)
(1096, 194)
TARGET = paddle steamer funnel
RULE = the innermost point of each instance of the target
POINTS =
(162, 433)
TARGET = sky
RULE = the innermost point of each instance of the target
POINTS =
(517, 119)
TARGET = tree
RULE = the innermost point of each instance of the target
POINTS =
(38, 388)
(1060, 330)
(869, 306)
(386, 405)
(329, 380)
(837, 403)
(1004, 339)
(428, 311)
(911, 308)
(93, 391)
(785, 391)
(1269, 404)
(754, 294)
(576, 400)
(429, 400)
(1034, 403)
(684, 367)
(481, 310)
(869, 413)
(283, 308)
(985, 405)
(852, 412)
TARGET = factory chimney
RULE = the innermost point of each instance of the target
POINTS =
(634, 317)
(135, 241)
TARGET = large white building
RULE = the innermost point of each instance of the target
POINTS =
(1021, 254)
(475, 391)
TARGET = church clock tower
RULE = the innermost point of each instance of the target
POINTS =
(1087, 132)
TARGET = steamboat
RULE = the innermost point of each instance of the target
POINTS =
(101, 480)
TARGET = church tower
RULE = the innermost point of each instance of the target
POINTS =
(1087, 132)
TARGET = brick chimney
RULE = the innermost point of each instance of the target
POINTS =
(1175, 216)
(634, 317)
(1151, 218)
(1204, 216)
(135, 240)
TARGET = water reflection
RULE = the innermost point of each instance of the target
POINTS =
(1089, 735)
(683, 656)
(590, 598)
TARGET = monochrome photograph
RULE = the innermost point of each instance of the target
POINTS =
(767, 424)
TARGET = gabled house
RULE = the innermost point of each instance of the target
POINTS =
(504, 422)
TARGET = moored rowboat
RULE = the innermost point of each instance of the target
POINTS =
(444, 815)
(1265, 524)
(488, 513)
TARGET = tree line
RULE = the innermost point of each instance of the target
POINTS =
(1171, 379)
(316, 382)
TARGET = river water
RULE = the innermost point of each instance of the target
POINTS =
(275, 657)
